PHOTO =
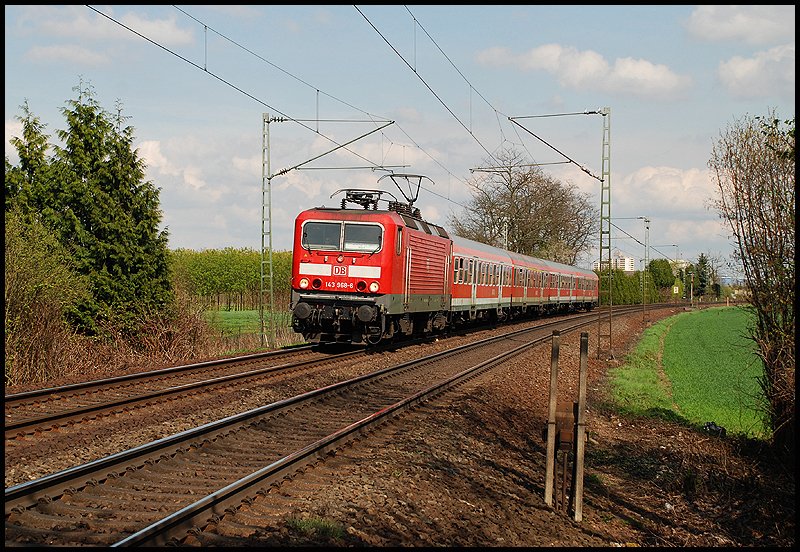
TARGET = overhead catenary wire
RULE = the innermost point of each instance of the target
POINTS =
(496, 111)
(285, 116)
(249, 95)
(318, 91)
(413, 69)
(581, 167)
(639, 242)
(343, 102)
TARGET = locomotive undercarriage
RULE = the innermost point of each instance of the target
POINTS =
(358, 322)
(365, 321)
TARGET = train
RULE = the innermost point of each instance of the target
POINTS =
(365, 275)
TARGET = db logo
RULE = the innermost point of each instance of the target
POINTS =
(339, 270)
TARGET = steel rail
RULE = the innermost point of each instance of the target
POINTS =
(217, 504)
(49, 391)
(13, 429)
(53, 485)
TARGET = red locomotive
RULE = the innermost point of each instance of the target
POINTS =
(362, 275)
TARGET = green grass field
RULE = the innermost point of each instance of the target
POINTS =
(244, 321)
(697, 366)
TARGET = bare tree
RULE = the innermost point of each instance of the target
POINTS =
(518, 207)
(754, 164)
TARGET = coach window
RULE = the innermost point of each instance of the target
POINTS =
(362, 237)
(321, 235)
(470, 271)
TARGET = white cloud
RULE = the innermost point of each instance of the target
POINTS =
(755, 24)
(652, 191)
(79, 22)
(69, 53)
(764, 74)
(186, 175)
(250, 166)
(87, 38)
(300, 182)
(193, 178)
(164, 31)
(13, 128)
(676, 202)
(150, 152)
(588, 70)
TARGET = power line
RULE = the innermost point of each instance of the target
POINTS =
(282, 70)
(426, 84)
(278, 111)
(205, 70)
(496, 111)
(637, 241)
(542, 140)
(420, 148)
(448, 59)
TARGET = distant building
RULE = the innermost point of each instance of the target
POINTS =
(679, 265)
(620, 262)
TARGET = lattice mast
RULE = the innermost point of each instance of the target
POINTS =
(603, 330)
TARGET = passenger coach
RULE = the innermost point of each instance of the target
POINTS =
(361, 275)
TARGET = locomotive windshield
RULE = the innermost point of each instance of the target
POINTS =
(337, 236)
(322, 235)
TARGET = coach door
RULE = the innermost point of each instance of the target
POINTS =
(524, 281)
(473, 286)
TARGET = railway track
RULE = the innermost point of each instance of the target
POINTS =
(35, 412)
(196, 479)
(47, 409)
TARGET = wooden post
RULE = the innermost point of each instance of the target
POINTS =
(551, 423)
(580, 433)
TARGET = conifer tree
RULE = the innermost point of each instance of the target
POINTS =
(97, 202)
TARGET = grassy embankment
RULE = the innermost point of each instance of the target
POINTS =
(699, 367)
(243, 328)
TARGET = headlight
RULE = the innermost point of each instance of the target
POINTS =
(373, 287)
(303, 283)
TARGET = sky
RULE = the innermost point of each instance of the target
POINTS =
(354, 92)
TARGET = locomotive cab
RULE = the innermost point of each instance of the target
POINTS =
(364, 275)
(338, 275)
